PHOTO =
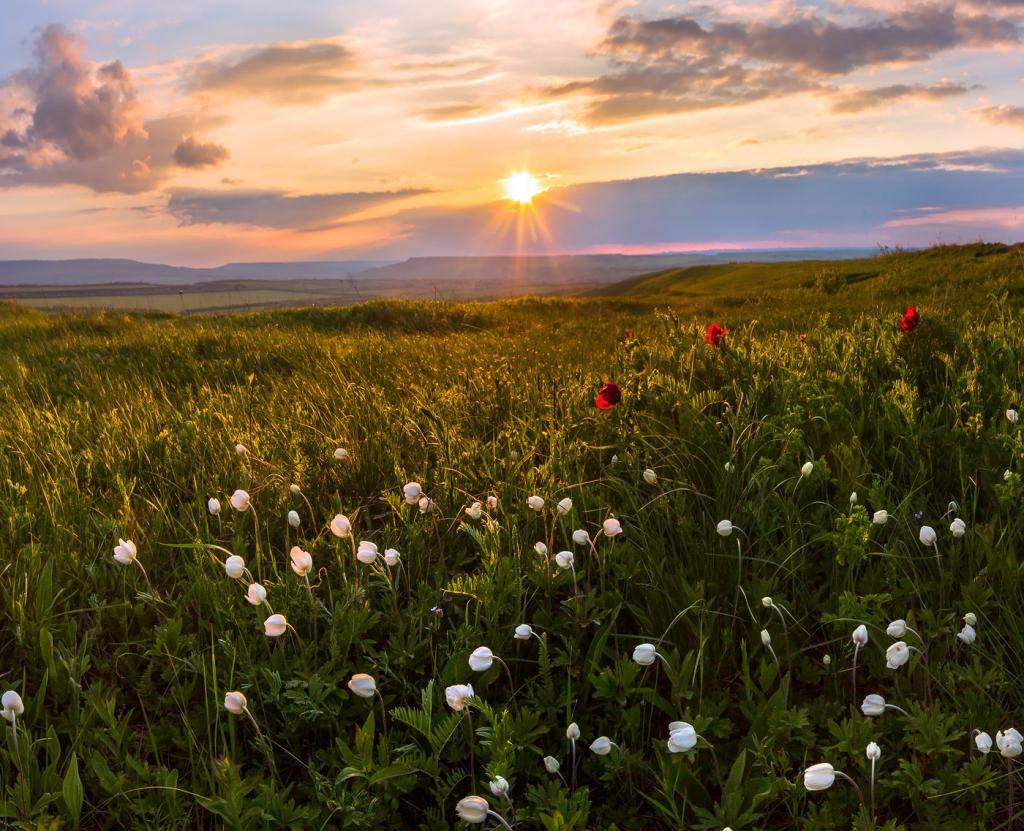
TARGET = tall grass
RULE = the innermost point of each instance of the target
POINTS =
(122, 426)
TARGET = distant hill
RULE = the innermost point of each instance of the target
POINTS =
(97, 271)
(570, 271)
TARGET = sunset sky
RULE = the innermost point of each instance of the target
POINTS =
(201, 132)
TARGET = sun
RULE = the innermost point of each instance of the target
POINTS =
(522, 187)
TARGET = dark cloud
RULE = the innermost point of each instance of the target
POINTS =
(679, 64)
(1003, 115)
(286, 72)
(192, 153)
(273, 209)
(81, 124)
(855, 101)
(77, 110)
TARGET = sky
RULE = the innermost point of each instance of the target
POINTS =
(203, 132)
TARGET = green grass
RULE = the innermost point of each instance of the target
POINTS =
(123, 425)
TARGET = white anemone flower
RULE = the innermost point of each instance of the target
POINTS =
(341, 527)
(240, 500)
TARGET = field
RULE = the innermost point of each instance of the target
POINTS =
(812, 415)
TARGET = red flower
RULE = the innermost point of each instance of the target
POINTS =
(715, 334)
(910, 319)
(608, 396)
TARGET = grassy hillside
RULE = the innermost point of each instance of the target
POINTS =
(946, 274)
(123, 426)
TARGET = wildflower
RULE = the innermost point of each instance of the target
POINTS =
(213, 506)
(475, 511)
(293, 519)
(983, 741)
(564, 559)
(473, 809)
(715, 333)
(910, 319)
(1009, 743)
(896, 629)
(125, 552)
(492, 502)
(481, 659)
(880, 517)
(275, 626)
(725, 528)
(523, 632)
(241, 449)
(499, 786)
(302, 561)
(819, 777)
(971, 619)
(256, 594)
(535, 503)
(295, 489)
(873, 752)
(11, 706)
(412, 492)
(927, 535)
(897, 655)
(392, 557)
(541, 549)
(860, 635)
(645, 654)
(602, 745)
(341, 527)
(611, 527)
(426, 504)
(967, 635)
(457, 694)
(240, 500)
(681, 737)
(958, 528)
(608, 396)
(362, 685)
(874, 705)
(807, 469)
(235, 703)
(234, 566)
(572, 732)
(918, 515)
(1012, 416)
(853, 498)
(366, 552)
(551, 764)
(650, 477)
(580, 537)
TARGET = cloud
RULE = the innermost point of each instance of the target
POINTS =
(858, 100)
(274, 209)
(287, 73)
(73, 122)
(1002, 115)
(680, 63)
(77, 110)
(192, 153)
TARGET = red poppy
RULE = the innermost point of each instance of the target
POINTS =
(629, 335)
(715, 334)
(910, 319)
(608, 396)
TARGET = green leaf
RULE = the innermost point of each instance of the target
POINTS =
(73, 793)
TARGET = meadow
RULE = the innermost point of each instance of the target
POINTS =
(664, 612)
